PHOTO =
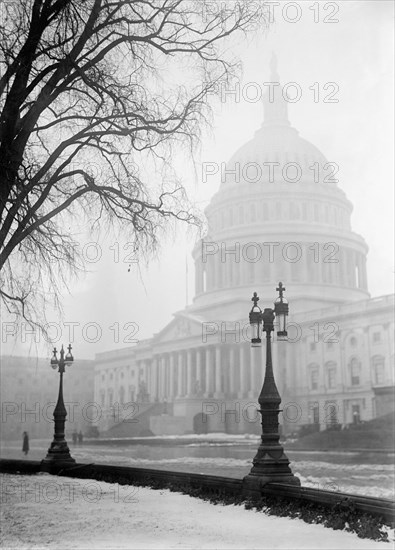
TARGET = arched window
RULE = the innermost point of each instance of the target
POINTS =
(204, 279)
(378, 367)
(253, 212)
(355, 371)
(241, 214)
(331, 374)
(313, 376)
(122, 395)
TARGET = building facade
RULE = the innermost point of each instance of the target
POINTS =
(29, 390)
(279, 215)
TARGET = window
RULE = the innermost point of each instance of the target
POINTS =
(330, 368)
(329, 345)
(312, 346)
(102, 397)
(111, 376)
(102, 377)
(355, 372)
(122, 374)
(122, 395)
(353, 341)
(376, 337)
(314, 379)
(110, 398)
(378, 363)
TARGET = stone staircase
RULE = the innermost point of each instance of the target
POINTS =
(136, 420)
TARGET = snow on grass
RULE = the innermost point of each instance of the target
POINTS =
(65, 513)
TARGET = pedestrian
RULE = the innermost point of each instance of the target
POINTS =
(80, 437)
(25, 446)
(74, 436)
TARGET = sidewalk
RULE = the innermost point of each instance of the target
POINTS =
(45, 511)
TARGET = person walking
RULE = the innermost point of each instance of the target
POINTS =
(25, 446)
(75, 436)
(80, 437)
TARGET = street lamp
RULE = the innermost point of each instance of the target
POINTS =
(270, 464)
(59, 453)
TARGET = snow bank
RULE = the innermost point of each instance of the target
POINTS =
(57, 512)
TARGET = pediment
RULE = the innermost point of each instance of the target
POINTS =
(182, 326)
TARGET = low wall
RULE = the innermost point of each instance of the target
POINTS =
(210, 485)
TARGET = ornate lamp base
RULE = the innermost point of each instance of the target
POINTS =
(58, 457)
(269, 466)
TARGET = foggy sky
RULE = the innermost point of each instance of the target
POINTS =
(356, 133)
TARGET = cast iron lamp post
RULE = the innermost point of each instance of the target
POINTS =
(270, 465)
(59, 453)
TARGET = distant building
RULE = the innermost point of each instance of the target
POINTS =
(29, 391)
(278, 216)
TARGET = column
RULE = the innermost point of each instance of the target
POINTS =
(171, 375)
(180, 389)
(218, 385)
(243, 371)
(232, 381)
(162, 378)
(209, 374)
(189, 374)
(199, 369)
(154, 381)
(148, 380)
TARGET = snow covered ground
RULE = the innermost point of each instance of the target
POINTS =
(44, 511)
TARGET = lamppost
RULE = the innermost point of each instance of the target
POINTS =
(270, 464)
(59, 453)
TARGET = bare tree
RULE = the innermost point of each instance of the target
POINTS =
(90, 116)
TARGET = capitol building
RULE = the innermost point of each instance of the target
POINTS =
(278, 215)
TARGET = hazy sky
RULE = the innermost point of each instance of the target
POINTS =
(356, 133)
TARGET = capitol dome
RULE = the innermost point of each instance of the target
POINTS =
(260, 160)
(277, 153)
(279, 215)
